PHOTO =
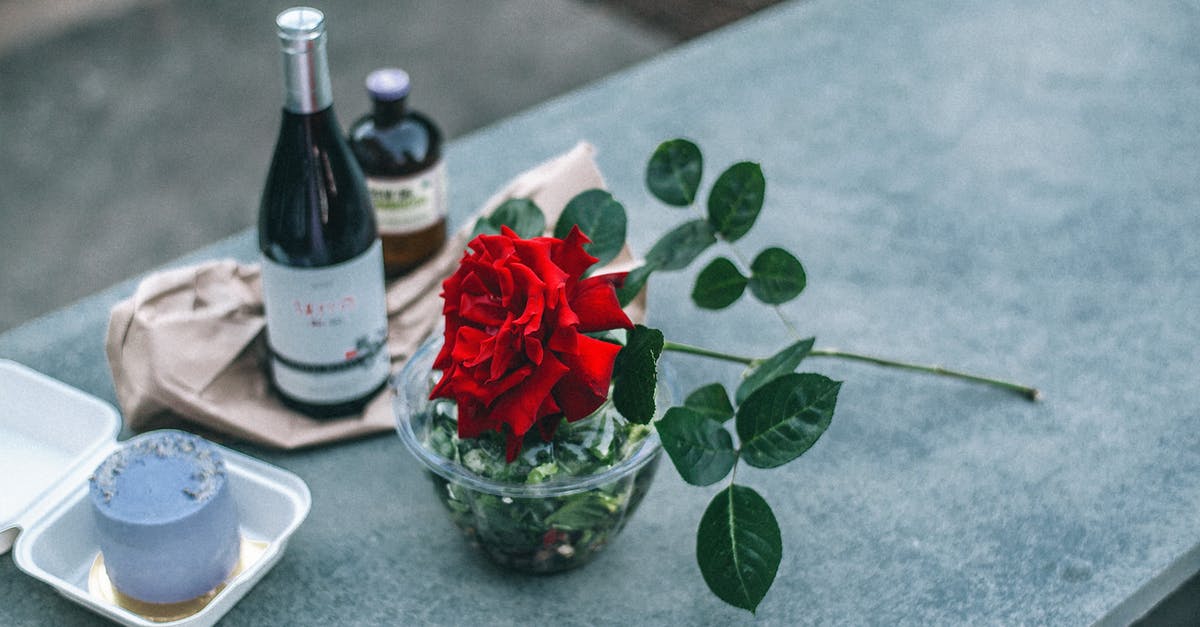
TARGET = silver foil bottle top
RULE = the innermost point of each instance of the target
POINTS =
(305, 65)
(300, 23)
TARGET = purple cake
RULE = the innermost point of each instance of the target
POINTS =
(167, 523)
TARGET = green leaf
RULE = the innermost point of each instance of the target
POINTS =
(783, 419)
(700, 447)
(483, 227)
(635, 374)
(718, 285)
(519, 214)
(783, 362)
(735, 200)
(673, 174)
(776, 276)
(634, 282)
(738, 547)
(542, 472)
(676, 249)
(582, 511)
(601, 218)
(711, 400)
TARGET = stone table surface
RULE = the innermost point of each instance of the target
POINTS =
(1006, 187)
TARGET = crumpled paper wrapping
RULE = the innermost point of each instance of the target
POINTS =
(187, 349)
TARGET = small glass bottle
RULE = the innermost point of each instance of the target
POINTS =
(400, 152)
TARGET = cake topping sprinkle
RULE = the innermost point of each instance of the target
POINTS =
(204, 481)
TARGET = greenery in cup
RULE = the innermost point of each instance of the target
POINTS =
(542, 534)
(579, 449)
(776, 413)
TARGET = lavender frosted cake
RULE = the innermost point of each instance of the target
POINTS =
(167, 523)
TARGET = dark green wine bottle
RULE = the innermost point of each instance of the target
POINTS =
(322, 262)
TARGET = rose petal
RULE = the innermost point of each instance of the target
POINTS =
(494, 247)
(585, 387)
(474, 285)
(506, 350)
(567, 317)
(533, 289)
(512, 446)
(570, 255)
(493, 388)
(461, 383)
(506, 290)
(548, 408)
(481, 311)
(548, 425)
(518, 407)
(563, 340)
(535, 253)
(474, 419)
(595, 303)
(444, 387)
(533, 350)
(443, 359)
(467, 344)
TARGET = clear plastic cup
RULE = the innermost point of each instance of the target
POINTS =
(543, 527)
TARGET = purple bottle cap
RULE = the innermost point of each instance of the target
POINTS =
(388, 84)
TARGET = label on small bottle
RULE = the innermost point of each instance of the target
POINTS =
(410, 203)
(327, 328)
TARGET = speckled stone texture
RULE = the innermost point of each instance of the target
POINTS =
(1007, 187)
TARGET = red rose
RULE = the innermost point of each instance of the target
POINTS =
(515, 354)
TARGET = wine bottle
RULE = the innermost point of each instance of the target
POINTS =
(322, 262)
(400, 151)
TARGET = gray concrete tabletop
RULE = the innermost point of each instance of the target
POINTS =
(1005, 187)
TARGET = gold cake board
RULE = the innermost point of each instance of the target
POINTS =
(102, 589)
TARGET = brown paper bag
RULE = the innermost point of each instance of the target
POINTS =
(187, 349)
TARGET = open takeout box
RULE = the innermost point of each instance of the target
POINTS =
(52, 436)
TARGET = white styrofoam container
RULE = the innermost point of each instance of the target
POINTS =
(52, 436)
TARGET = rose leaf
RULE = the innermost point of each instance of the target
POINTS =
(601, 218)
(736, 199)
(718, 285)
(784, 418)
(776, 276)
(673, 173)
(635, 374)
(783, 362)
(700, 447)
(581, 512)
(738, 547)
(710, 400)
(484, 227)
(682, 244)
(634, 282)
(519, 214)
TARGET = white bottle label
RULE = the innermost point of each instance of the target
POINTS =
(327, 328)
(411, 203)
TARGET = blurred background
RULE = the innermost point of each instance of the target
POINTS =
(134, 131)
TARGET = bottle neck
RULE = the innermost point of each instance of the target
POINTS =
(306, 76)
(389, 112)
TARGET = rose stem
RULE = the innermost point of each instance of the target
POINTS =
(704, 352)
(1030, 393)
